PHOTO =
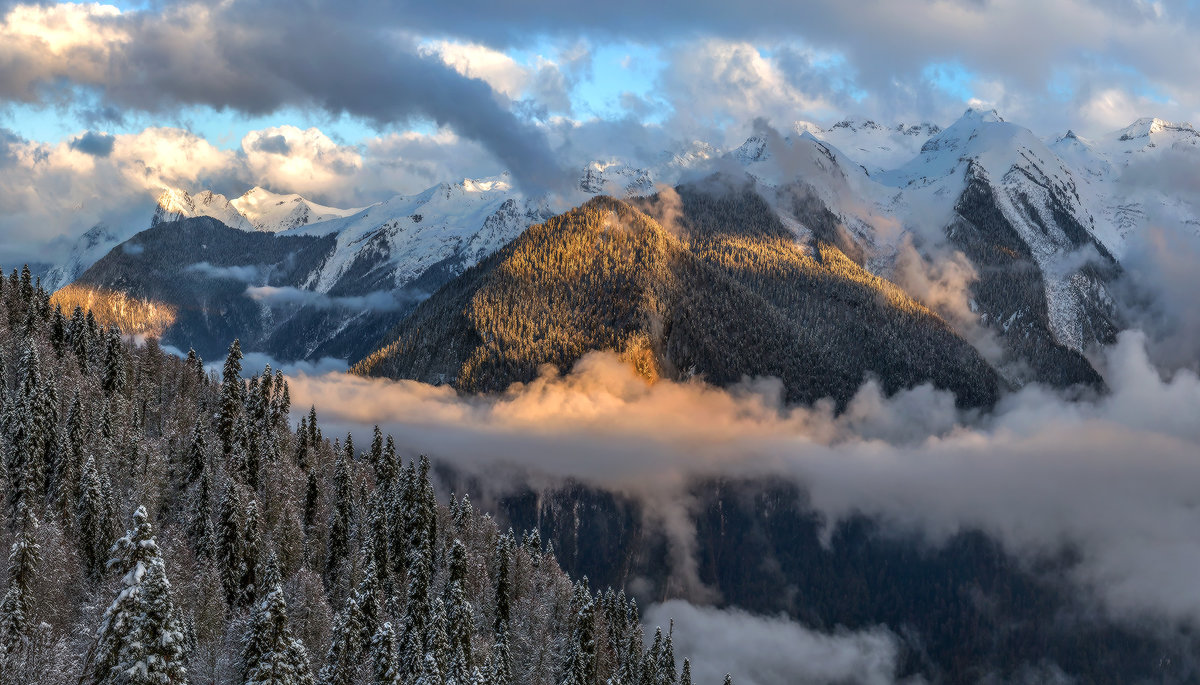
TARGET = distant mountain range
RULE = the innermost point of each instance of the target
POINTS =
(1044, 225)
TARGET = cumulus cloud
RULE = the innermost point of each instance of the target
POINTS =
(304, 161)
(351, 64)
(51, 192)
(759, 650)
(1114, 478)
(56, 191)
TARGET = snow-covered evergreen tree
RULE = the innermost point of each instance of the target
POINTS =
(140, 640)
(231, 397)
(384, 669)
(23, 561)
(346, 649)
(270, 654)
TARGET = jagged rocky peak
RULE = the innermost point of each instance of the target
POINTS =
(753, 150)
(861, 124)
(614, 178)
(856, 124)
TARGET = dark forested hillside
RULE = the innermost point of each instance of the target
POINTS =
(726, 293)
(964, 609)
(167, 526)
(199, 270)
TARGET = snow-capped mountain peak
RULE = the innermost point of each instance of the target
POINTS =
(1147, 127)
(275, 212)
(175, 204)
(877, 147)
(615, 178)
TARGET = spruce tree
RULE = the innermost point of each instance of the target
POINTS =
(230, 534)
(140, 640)
(27, 427)
(251, 548)
(503, 610)
(346, 648)
(23, 561)
(437, 638)
(94, 518)
(501, 667)
(114, 363)
(197, 454)
(384, 670)
(460, 616)
(231, 398)
(666, 659)
(69, 464)
(80, 340)
(580, 668)
(270, 655)
(343, 515)
(201, 530)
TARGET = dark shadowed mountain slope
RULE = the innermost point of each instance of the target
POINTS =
(726, 294)
(200, 271)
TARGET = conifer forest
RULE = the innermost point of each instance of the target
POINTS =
(168, 526)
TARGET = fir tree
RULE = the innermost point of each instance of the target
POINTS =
(686, 677)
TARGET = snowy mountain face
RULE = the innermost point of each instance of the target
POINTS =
(273, 212)
(876, 146)
(390, 245)
(175, 204)
(1122, 178)
(984, 187)
(1044, 224)
(96, 242)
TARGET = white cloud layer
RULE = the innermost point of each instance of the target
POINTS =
(1116, 478)
(759, 650)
